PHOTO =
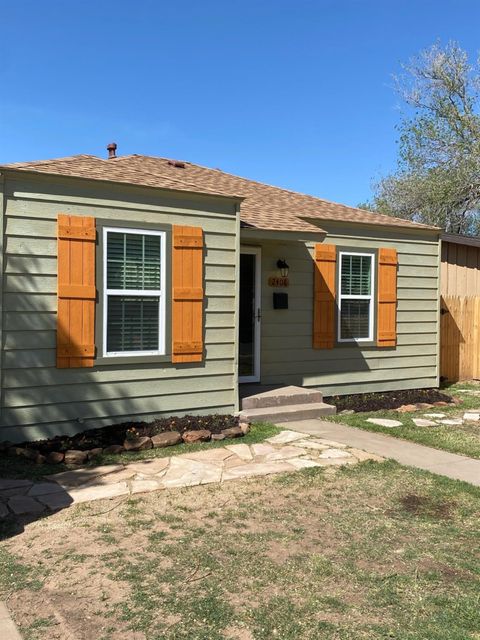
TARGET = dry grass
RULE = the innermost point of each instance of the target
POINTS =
(373, 551)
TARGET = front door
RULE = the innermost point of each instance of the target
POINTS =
(250, 315)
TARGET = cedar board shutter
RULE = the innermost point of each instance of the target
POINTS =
(325, 256)
(387, 298)
(76, 291)
(187, 303)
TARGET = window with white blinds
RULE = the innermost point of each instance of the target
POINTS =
(356, 286)
(134, 292)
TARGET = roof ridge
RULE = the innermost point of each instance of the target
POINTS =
(265, 204)
(290, 191)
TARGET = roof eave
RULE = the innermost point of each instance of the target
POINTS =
(422, 228)
(208, 194)
(455, 238)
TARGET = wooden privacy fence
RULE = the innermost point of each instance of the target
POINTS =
(460, 338)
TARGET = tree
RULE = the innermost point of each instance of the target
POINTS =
(438, 175)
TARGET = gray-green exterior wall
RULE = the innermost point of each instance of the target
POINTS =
(287, 356)
(38, 400)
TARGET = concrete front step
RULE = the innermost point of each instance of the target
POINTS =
(288, 413)
(282, 397)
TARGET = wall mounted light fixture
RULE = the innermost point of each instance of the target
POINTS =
(283, 267)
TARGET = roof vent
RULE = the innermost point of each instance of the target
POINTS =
(178, 164)
(112, 148)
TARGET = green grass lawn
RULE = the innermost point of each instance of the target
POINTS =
(369, 552)
(18, 467)
(463, 439)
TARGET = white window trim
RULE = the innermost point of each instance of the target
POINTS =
(160, 293)
(342, 297)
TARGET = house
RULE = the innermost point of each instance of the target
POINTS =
(138, 286)
(460, 308)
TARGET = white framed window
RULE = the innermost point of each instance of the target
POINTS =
(356, 297)
(133, 292)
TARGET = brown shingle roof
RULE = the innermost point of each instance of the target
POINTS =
(264, 206)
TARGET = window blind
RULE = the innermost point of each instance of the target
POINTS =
(356, 275)
(133, 292)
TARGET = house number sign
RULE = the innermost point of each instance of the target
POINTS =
(274, 281)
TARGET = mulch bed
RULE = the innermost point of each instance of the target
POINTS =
(116, 433)
(363, 402)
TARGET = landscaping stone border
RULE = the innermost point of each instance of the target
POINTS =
(287, 451)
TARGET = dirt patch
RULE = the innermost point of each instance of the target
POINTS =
(364, 402)
(426, 506)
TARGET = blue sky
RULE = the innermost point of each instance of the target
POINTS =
(292, 93)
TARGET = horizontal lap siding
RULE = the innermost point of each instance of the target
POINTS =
(37, 398)
(286, 352)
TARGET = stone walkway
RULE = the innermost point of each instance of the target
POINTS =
(408, 453)
(430, 420)
(287, 451)
(8, 629)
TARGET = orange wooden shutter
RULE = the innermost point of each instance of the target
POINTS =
(387, 298)
(324, 303)
(187, 304)
(75, 291)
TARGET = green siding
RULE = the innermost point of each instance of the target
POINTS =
(287, 355)
(39, 400)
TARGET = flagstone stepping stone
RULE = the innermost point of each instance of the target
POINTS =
(472, 417)
(453, 422)
(261, 449)
(335, 453)
(240, 450)
(55, 501)
(186, 473)
(385, 422)
(214, 456)
(311, 444)
(234, 461)
(112, 478)
(435, 415)
(13, 484)
(284, 437)
(284, 453)
(421, 422)
(23, 505)
(144, 486)
(78, 477)
(8, 493)
(303, 463)
(150, 467)
(45, 488)
(255, 469)
(98, 492)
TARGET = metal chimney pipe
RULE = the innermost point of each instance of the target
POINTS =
(112, 148)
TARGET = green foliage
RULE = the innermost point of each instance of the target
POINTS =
(437, 180)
